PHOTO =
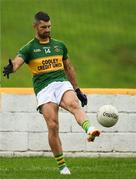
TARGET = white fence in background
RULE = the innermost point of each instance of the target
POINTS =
(24, 132)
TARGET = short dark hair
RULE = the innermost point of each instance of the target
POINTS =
(41, 16)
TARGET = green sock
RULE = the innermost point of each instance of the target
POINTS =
(60, 161)
(85, 125)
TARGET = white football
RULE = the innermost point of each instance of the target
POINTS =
(107, 115)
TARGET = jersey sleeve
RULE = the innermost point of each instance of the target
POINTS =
(24, 53)
(65, 52)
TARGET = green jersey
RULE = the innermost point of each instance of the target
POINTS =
(45, 61)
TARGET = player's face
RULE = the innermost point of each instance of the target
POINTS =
(43, 29)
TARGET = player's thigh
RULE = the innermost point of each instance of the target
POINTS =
(69, 101)
(50, 113)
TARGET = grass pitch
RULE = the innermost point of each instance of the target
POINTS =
(81, 168)
(100, 36)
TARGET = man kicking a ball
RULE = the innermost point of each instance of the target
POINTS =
(54, 83)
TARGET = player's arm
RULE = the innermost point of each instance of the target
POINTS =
(13, 65)
(17, 63)
(71, 74)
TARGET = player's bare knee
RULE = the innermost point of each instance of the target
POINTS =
(74, 106)
(53, 126)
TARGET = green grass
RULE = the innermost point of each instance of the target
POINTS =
(100, 36)
(81, 168)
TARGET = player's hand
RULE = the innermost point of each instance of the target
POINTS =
(8, 69)
(82, 97)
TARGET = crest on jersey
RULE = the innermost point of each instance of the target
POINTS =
(56, 49)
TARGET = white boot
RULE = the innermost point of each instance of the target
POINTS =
(92, 133)
(65, 171)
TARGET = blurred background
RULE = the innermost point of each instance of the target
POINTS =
(99, 34)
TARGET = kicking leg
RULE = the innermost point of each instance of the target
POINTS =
(70, 102)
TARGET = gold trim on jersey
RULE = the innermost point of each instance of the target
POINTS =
(46, 64)
(44, 42)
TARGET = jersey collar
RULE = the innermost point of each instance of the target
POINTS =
(42, 42)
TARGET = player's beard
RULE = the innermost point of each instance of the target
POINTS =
(44, 35)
